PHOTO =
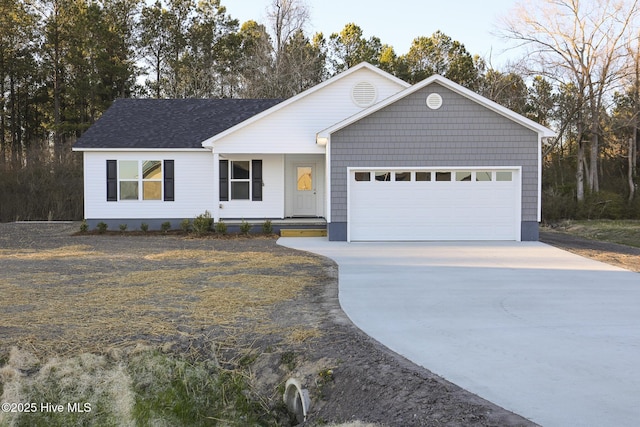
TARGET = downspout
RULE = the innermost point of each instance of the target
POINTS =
(539, 178)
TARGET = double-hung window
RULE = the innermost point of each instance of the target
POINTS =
(240, 180)
(140, 180)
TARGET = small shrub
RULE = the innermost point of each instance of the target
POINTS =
(267, 227)
(102, 227)
(602, 205)
(221, 227)
(203, 223)
(165, 226)
(123, 227)
(245, 227)
(144, 227)
(185, 225)
(84, 227)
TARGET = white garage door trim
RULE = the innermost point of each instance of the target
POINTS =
(409, 217)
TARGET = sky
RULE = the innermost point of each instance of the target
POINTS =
(398, 22)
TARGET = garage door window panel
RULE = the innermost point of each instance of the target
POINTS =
(463, 176)
(443, 176)
(383, 176)
(423, 176)
(403, 176)
(504, 176)
(363, 176)
(483, 176)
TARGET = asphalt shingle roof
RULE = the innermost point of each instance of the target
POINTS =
(168, 123)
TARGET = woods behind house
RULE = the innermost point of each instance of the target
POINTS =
(63, 62)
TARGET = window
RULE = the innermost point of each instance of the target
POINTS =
(140, 180)
(503, 176)
(443, 176)
(383, 176)
(304, 178)
(152, 180)
(463, 176)
(403, 176)
(363, 176)
(129, 180)
(240, 180)
(483, 176)
(423, 176)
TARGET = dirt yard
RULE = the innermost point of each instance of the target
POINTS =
(253, 303)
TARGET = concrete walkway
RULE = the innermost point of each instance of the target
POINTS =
(544, 333)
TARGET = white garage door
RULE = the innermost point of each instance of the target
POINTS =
(434, 204)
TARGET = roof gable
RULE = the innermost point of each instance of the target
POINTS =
(167, 123)
(542, 131)
(306, 94)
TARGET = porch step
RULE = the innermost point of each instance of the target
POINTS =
(303, 232)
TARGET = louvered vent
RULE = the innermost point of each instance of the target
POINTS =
(434, 101)
(364, 94)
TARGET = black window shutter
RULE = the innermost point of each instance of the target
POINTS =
(224, 180)
(169, 194)
(256, 180)
(112, 180)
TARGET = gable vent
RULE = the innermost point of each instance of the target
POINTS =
(364, 94)
(434, 101)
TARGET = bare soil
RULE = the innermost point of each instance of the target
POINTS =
(349, 375)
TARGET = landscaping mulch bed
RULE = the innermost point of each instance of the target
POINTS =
(272, 310)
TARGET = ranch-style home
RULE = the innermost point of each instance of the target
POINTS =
(364, 153)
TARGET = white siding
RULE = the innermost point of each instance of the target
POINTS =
(293, 129)
(193, 182)
(272, 204)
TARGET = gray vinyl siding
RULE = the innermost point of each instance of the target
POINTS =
(409, 134)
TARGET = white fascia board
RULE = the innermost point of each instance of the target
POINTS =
(209, 142)
(543, 131)
(132, 150)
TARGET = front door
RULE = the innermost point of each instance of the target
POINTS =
(304, 194)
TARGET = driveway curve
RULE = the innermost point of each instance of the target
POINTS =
(547, 334)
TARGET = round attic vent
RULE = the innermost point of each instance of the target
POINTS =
(434, 101)
(364, 94)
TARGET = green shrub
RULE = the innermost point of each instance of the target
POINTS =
(203, 223)
(84, 227)
(144, 227)
(166, 226)
(221, 227)
(602, 205)
(102, 227)
(185, 225)
(245, 227)
(267, 227)
(557, 205)
(123, 227)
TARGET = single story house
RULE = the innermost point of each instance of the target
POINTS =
(374, 157)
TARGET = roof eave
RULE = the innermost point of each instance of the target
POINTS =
(111, 149)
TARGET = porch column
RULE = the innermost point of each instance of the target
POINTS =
(215, 211)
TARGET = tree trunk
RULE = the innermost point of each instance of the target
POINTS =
(594, 182)
(632, 186)
(580, 172)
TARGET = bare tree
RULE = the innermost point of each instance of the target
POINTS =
(583, 42)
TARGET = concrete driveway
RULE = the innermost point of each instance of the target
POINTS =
(539, 331)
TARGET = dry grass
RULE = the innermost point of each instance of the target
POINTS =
(625, 232)
(92, 302)
(48, 254)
